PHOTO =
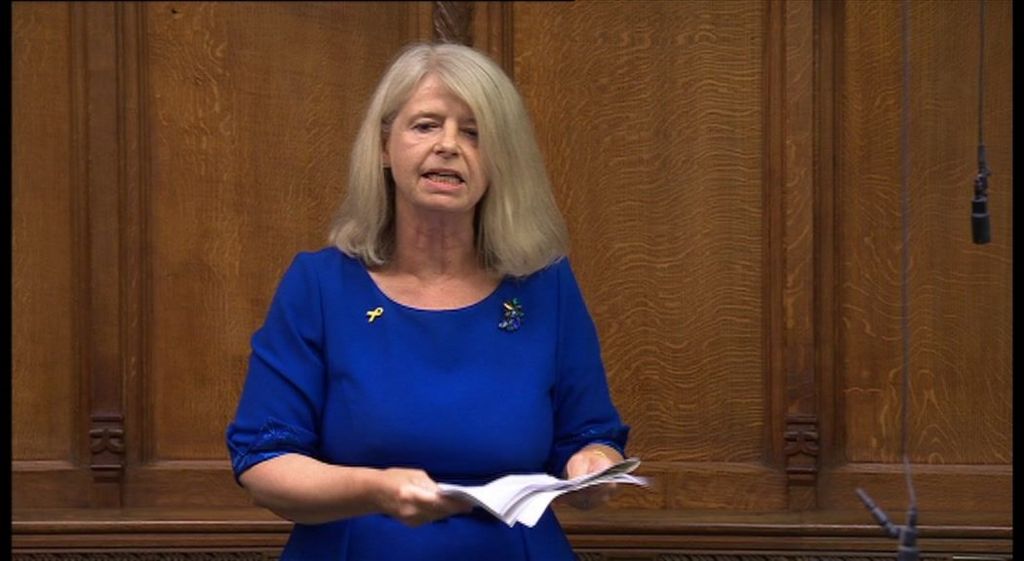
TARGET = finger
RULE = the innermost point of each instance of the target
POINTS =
(583, 464)
(422, 495)
(576, 467)
(426, 483)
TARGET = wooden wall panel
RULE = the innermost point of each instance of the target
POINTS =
(797, 296)
(43, 236)
(959, 293)
(729, 172)
(47, 405)
(254, 113)
(193, 133)
(652, 120)
(251, 111)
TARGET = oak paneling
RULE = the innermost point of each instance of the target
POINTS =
(47, 404)
(250, 124)
(730, 175)
(202, 131)
(960, 325)
(250, 118)
(799, 234)
(43, 237)
(651, 120)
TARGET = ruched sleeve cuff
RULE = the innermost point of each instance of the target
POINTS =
(273, 439)
(614, 437)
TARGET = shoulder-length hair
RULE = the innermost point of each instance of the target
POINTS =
(519, 229)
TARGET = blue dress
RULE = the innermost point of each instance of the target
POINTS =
(446, 391)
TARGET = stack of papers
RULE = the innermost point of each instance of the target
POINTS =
(524, 498)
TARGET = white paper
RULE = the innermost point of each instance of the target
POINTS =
(523, 498)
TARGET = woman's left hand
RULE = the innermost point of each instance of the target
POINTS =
(592, 458)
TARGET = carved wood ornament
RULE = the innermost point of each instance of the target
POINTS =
(106, 446)
(801, 449)
(452, 22)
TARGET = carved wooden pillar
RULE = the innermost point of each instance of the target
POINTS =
(486, 26)
(106, 272)
(492, 32)
(794, 248)
(452, 22)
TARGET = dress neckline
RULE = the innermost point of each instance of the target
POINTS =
(391, 301)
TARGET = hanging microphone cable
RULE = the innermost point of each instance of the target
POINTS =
(981, 228)
(906, 534)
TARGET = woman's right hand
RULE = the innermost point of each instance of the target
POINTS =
(412, 497)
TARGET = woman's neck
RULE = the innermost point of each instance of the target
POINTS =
(431, 247)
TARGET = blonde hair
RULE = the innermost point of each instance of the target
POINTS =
(519, 229)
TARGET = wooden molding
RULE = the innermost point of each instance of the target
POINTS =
(492, 32)
(452, 22)
(149, 556)
(582, 555)
(801, 449)
(773, 242)
(742, 556)
(98, 103)
(107, 447)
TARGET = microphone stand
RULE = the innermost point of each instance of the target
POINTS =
(981, 229)
(907, 534)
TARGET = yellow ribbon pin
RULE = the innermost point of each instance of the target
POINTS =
(374, 314)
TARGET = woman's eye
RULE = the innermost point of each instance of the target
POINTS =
(471, 133)
(423, 127)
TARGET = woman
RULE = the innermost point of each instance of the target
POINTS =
(441, 338)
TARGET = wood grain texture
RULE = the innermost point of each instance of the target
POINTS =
(798, 298)
(828, 34)
(43, 298)
(651, 120)
(492, 32)
(959, 313)
(799, 211)
(101, 271)
(453, 22)
(199, 549)
(633, 530)
(729, 172)
(252, 113)
(635, 554)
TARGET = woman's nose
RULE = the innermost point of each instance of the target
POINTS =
(448, 142)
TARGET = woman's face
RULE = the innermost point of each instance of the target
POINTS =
(433, 154)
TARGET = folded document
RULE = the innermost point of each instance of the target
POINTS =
(523, 498)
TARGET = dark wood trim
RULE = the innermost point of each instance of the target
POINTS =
(104, 182)
(582, 555)
(421, 21)
(493, 32)
(774, 255)
(826, 38)
(452, 22)
(80, 224)
(134, 204)
(636, 533)
(149, 556)
(801, 432)
(706, 555)
(619, 533)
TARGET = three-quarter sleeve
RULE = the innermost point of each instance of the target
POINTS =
(584, 412)
(280, 405)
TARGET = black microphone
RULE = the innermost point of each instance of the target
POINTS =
(907, 534)
(981, 227)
